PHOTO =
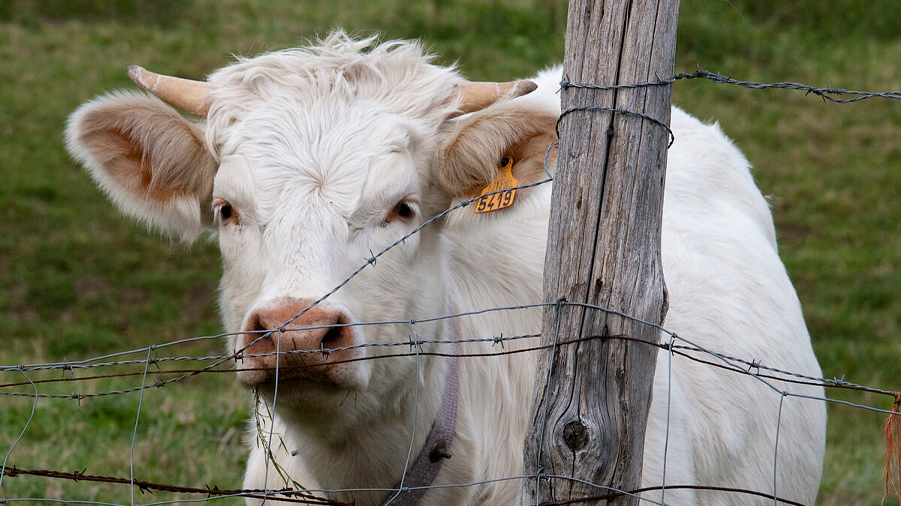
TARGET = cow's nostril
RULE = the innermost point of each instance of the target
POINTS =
(257, 324)
(333, 336)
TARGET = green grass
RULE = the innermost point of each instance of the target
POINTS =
(77, 280)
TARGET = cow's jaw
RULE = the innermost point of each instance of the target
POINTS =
(361, 439)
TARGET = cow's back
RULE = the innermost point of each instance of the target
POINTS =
(729, 293)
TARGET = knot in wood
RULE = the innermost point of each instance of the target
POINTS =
(575, 435)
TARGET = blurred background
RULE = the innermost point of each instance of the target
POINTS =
(77, 280)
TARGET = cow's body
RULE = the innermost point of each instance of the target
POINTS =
(281, 127)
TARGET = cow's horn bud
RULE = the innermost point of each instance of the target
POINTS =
(477, 95)
(190, 96)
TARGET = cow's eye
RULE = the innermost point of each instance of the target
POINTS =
(223, 210)
(404, 210)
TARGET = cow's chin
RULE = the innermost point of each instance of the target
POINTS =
(308, 385)
(302, 395)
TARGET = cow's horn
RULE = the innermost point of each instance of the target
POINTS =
(190, 96)
(477, 96)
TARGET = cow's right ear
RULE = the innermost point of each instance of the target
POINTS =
(472, 154)
(149, 160)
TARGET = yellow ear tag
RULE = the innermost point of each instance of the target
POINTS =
(504, 181)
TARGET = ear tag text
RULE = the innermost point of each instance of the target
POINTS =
(504, 181)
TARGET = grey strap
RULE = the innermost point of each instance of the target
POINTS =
(437, 445)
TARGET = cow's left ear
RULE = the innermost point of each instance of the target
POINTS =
(471, 157)
(150, 161)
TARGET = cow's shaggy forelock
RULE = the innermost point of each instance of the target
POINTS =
(338, 68)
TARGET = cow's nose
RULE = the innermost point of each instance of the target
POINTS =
(294, 326)
(314, 343)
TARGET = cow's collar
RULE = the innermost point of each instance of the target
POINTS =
(420, 475)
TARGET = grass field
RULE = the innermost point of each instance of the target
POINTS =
(77, 280)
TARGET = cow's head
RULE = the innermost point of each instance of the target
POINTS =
(306, 163)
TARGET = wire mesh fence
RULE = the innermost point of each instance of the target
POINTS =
(676, 346)
(161, 366)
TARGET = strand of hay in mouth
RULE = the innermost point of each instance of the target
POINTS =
(893, 449)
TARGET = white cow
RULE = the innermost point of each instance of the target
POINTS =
(313, 159)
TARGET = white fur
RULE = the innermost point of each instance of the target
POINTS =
(315, 148)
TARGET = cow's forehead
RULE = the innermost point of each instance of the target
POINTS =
(327, 129)
(319, 81)
(340, 153)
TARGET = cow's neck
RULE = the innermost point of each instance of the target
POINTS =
(369, 448)
(425, 466)
(498, 264)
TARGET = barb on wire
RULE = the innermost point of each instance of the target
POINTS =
(90, 362)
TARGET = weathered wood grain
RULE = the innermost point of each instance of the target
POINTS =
(603, 249)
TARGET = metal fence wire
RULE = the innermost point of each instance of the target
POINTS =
(157, 369)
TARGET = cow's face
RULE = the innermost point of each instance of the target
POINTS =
(303, 198)
(306, 172)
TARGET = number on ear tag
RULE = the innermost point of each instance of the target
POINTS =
(504, 181)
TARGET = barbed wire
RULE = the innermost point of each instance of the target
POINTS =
(288, 495)
(305, 496)
(824, 93)
(754, 364)
(726, 362)
(827, 94)
(495, 340)
(414, 321)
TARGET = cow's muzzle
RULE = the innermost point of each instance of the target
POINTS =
(289, 340)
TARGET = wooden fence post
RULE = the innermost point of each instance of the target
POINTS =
(589, 414)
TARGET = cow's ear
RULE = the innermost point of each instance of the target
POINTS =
(150, 161)
(472, 155)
